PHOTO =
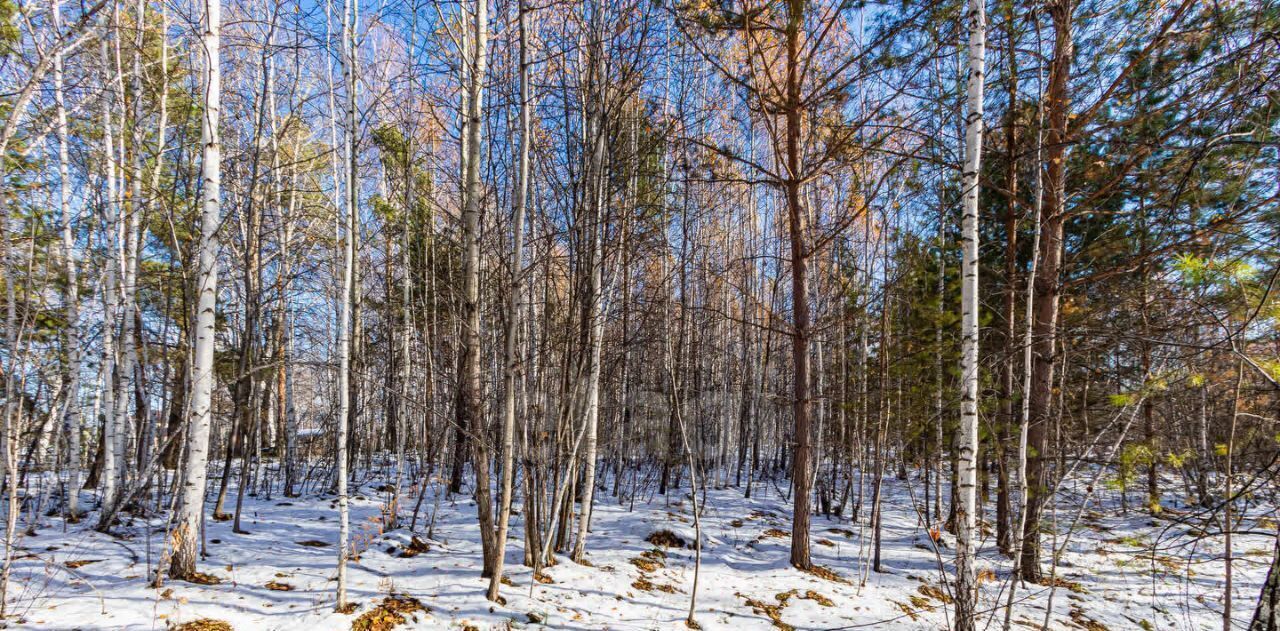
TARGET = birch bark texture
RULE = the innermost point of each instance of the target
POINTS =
(966, 548)
(185, 537)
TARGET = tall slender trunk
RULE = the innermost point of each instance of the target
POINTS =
(966, 546)
(800, 333)
(185, 536)
(110, 290)
(1024, 415)
(1228, 500)
(469, 406)
(1044, 328)
(71, 296)
(350, 21)
(511, 357)
(1007, 417)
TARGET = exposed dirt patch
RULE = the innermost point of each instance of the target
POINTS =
(416, 546)
(277, 586)
(771, 611)
(665, 538)
(200, 578)
(818, 598)
(906, 609)
(808, 595)
(935, 593)
(314, 543)
(826, 574)
(644, 584)
(81, 563)
(394, 610)
(204, 624)
(1078, 617)
(1058, 581)
(646, 565)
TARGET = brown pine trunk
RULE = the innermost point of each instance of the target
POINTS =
(1047, 286)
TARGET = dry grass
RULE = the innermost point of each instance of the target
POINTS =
(644, 584)
(665, 538)
(277, 586)
(645, 565)
(394, 610)
(81, 563)
(768, 610)
(808, 595)
(416, 546)
(1072, 586)
(827, 574)
(204, 624)
(200, 578)
(906, 609)
(1089, 624)
(935, 593)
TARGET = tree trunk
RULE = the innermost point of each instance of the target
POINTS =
(966, 546)
(350, 21)
(469, 410)
(511, 357)
(800, 333)
(1044, 328)
(185, 536)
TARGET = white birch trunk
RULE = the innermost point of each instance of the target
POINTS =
(110, 419)
(350, 17)
(72, 296)
(595, 306)
(469, 405)
(186, 530)
(966, 546)
(511, 358)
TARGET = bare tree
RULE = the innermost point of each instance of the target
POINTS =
(185, 536)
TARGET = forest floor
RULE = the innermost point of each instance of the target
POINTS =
(1118, 571)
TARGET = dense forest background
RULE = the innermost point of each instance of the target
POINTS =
(554, 255)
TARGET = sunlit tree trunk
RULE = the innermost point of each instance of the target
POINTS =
(510, 351)
(470, 407)
(185, 536)
(966, 546)
(350, 20)
(1044, 328)
(797, 230)
(71, 296)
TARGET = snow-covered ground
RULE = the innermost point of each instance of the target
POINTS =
(1110, 579)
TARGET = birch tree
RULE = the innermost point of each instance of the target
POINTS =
(510, 350)
(350, 21)
(72, 296)
(185, 536)
(966, 546)
(469, 405)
